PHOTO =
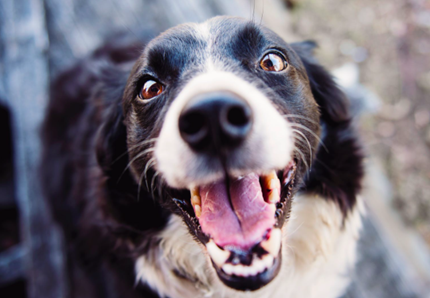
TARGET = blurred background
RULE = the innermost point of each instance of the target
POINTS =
(379, 51)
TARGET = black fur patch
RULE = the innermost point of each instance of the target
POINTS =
(338, 167)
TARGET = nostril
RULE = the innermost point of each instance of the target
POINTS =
(194, 129)
(191, 123)
(238, 116)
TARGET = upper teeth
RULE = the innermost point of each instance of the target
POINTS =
(196, 201)
(272, 187)
(257, 266)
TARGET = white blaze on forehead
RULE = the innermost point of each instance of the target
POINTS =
(268, 146)
(203, 32)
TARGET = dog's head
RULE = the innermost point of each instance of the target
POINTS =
(223, 123)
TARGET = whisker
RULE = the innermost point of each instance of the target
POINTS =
(139, 186)
(311, 132)
(307, 141)
(134, 158)
(133, 147)
(300, 117)
(150, 163)
(303, 157)
(153, 181)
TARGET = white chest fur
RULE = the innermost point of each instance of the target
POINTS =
(319, 252)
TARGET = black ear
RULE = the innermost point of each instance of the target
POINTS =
(337, 171)
(127, 202)
(333, 104)
(111, 146)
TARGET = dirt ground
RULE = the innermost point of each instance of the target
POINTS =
(390, 42)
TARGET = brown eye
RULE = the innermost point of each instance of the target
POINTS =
(151, 89)
(273, 62)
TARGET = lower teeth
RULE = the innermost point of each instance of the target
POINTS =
(257, 266)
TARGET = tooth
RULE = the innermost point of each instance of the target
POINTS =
(218, 255)
(274, 181)
(272, 185)
(195, 191)
(198, 210)
(249, 271)
(239, 270)
(196, 201)
(268, 261)
(256, 265)
(245, 272)
(228, 268)
(260, 265)
(273, 196)
(273, 244)
(252, 271)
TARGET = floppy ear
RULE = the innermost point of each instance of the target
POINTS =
(111, 146)
(135, 210)
(338, 170)
(334, 106)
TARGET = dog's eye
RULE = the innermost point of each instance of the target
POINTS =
(273, 62)
(151, 89)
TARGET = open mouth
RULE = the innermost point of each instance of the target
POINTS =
(240, 219)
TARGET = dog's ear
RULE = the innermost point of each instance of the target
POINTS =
(338, 169)
(111, 146)
(333, 104)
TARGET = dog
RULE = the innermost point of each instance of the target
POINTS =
(214, 160)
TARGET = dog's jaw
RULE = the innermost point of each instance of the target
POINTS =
(244, 248)
(316, 257)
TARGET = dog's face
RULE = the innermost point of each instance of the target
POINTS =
(221, 127)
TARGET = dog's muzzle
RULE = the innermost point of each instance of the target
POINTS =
(225, 141)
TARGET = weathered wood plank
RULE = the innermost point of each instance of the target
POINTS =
(25, 80)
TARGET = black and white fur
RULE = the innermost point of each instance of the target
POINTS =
(112, 163)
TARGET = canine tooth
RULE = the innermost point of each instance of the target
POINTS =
(273, 196)
(273, 244)
(195, 191)
(198, 210)
(268, 261)
(195, 200)
(218, 255)
(260, 266)
(272, 185)
(274, 182)
(228, 268)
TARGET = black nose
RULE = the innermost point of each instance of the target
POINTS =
(215, 121)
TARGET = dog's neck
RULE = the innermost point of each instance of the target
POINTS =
(318, 251)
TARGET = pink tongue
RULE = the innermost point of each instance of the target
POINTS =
(242, 227)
